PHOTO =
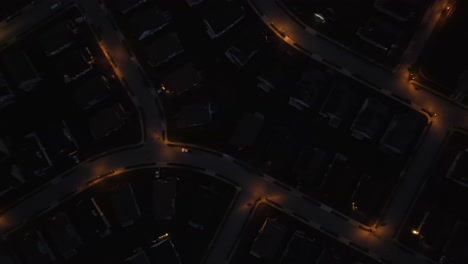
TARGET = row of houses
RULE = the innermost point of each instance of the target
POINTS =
(64, 233)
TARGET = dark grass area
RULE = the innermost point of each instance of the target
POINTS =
(191, 244)
(443, 199)
(443, 59)
(37, 109)
(348, 17)
(262, 211)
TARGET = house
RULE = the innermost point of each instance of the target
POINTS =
(371, 119)
(32, 156)
(267, 244)
(301, 249)
(163, 251)
(401, 10)
(341, 104)
(125, 6)
(34, 248)
(368, 197)
(458, 168)
(245, 48)
(107, 121)
(194, 2)
(147, 21)
(311, 85)
(57, 38)
(139, 257)
(197, 114)
(247, 129)
(63, 234)
(6, 94)
(20, 69)
(74, 63)
(271, 79)
(181, 80)
(310, 165)
(330, 256)
(222, 16)
(94, 90)
(203, 202)
(124, 205)
(402, 132)
(58, 140)
(164, 195)
(92, 221)
(163, 49)
(10, 176)
(381, 34)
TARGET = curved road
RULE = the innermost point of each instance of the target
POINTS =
(155, 152)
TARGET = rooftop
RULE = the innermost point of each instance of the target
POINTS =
(124, 204)
(125, 6)
(58, 139)
(182, 79)
(94, 222)
(72, 64)
(195, 115)
(301, 250)
(64, 236)
(20, 69)
(371, 120)
(56, 38)
(164, 194)
(164, 252)
(381, 34)
(459, 168)
(222, 16)
(33, 158)
(147, 21)
(34, 248)
(107, 120)
(91, 92)
(402, 131)
(268, 243)
(247, 130)
(163, 49)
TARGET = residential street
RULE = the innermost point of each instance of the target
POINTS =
(154, 150)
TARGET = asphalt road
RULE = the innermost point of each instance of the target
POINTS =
(154, 150)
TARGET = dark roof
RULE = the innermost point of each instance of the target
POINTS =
(138, 258)
(301, 250)
(56, 38)
(194, 115)
(63, 234)
(148, 20)
(247, 130)
(330, 256)
(164, 252)
(125, 205)
(342, 102)
(93, 91)
(71, 64)
(107, 120)
(164, 194)
(372, 118)
(369, 195)
(402, 131)
(92, 221)
(222, 15)
(267, 245)
(163, 49)
(124, 6)
(34, 249)
(20, 69)
(310, 165)
(32, 155)
(459, 168)
(58, 139)
(182, 79)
